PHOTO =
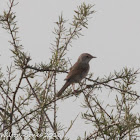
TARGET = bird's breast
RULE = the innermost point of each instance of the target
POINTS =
(83, 72)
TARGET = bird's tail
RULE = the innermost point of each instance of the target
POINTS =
(63, 89)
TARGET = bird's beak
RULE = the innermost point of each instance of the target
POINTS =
(93, 56)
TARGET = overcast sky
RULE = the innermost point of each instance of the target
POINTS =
(113, 35)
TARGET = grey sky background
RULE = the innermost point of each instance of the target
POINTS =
(113, 35)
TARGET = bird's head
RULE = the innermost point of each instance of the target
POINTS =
(85, 58)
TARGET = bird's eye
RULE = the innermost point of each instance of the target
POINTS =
(87, 56)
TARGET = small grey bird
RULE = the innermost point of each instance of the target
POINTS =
(77, 72)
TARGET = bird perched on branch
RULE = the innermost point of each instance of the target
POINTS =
(77, 72)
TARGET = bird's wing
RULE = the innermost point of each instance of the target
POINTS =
(76, 70)
(73, 67)
(73, 74)
(73, 71)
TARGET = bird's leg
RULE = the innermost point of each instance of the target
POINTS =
(77, 91)
(73, 87)
(74, 91)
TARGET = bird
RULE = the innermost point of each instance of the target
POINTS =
(77, 72)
